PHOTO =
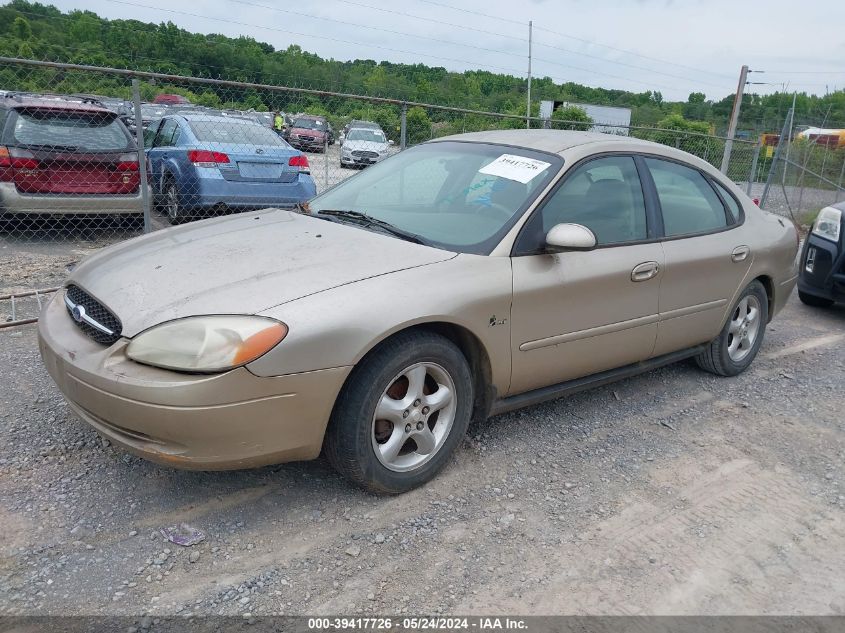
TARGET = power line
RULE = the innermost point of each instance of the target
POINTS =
(573, 37)
(548, 61)
(321, 37)
(523, 41)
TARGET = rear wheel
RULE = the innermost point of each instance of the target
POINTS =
(813, 300)
(175, 212)
(734, 349)
(401, 414)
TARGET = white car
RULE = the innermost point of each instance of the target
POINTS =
(363, 146)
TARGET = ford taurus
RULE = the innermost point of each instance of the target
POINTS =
(458, 279)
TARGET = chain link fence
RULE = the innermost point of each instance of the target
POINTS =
(802, 176)
(77, 139)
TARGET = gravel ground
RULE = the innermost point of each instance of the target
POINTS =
(672, 492)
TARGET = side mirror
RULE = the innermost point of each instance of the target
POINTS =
(570, 237)
(341, 138)
(390, 142)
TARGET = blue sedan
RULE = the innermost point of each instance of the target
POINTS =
(201, 163)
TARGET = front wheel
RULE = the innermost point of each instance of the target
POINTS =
(732, 351)
(403, 411)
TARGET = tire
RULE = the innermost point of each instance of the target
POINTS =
(734, 349)
(813, 300)
(381, 455)
(170, 202)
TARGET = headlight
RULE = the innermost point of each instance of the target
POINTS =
(827, 223)
(206, 343)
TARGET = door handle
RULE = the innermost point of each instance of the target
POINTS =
(645, 271)
(740, 253)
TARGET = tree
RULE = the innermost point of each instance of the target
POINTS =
(696, 97)
(418, 125)
(21, 28)
(571, 117)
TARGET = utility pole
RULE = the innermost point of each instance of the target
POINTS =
(740, 90)
(528, 100)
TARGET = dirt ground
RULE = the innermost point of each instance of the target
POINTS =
(675, 492)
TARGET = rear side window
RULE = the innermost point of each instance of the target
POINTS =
(166, 132)
(733, 206)
(689, 203)
(70, 131)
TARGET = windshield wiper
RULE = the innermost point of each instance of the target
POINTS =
(366, 221)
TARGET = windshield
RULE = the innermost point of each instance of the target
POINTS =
(246, 133)
(309, 124)
(83, 131)
(373, 136)
(458, 196)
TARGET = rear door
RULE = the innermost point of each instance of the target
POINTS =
(578, 313)
(707, 254)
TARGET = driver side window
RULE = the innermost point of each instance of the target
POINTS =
(604, 194)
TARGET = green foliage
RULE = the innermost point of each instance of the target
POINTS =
(35, 30)
(21, 28)
(419, 125)
(571, 117)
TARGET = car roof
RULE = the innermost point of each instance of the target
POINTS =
(554, 141)
(215, 118)
(15, 101)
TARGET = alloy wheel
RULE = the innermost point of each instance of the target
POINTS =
(413, 417)
(744, 328)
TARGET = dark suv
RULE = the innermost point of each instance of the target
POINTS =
(65, 156)
(821, 278)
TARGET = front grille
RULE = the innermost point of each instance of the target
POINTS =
(363, 154)
(98, 312)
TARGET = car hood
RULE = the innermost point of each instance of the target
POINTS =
(371, 146)
(241, 264)
(307, 131)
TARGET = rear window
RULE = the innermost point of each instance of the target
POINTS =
(234, 132)
(71, 131)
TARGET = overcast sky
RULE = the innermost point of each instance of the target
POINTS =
(674, 46)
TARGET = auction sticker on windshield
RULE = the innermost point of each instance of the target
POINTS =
(513, 167)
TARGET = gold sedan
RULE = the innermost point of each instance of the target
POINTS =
(457, 279)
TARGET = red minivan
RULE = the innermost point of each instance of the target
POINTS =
(169, 99)
(65, 156)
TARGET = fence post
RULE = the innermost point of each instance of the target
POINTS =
(787, 126)
(326, 160)
(753, 171)
(403, 128)
(142, 156)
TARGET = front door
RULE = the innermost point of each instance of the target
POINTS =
(578, 313)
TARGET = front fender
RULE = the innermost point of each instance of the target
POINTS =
(338, 327)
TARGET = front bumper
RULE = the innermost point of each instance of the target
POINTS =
(13, 201)
(361, 160)
(202, 422)
(307, 144)
(825, 276)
